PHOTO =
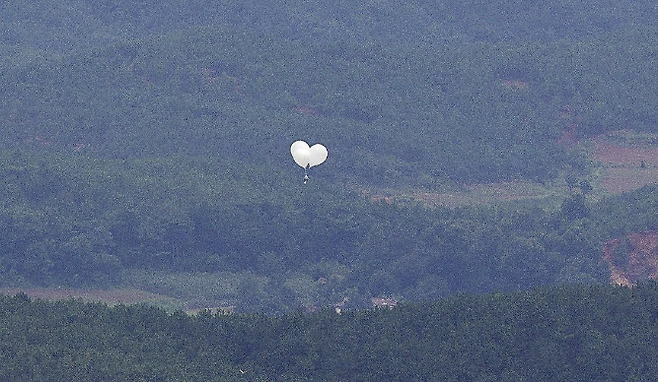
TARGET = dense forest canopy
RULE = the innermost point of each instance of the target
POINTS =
(76, 221)
(406, 115)
(144, 141)
(145, 146)
(403, 101)
(550, 334)
(81, 23)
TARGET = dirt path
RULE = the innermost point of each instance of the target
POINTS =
(108, 296)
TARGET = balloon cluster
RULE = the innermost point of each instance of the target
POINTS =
(308, 157)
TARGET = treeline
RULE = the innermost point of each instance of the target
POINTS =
(77, 221)
(389, 114)
(563, 333)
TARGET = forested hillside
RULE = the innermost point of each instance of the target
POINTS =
(397, 113)
(146, 145)
(277, 244)
(553, 334)
(62, 27)
(145, 149)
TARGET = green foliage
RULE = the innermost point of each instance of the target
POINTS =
(216, 91)
(223, 91)
(549, 334)
(272, 244)
(154, 142)
(146, 143)
(631, 212)
(220, 91)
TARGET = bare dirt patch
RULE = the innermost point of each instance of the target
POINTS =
(473, 194)
(632, 258)
(628, 160)
(487, 193)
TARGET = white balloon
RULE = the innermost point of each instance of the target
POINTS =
(300, 153)
(308, 156)
(318, 154)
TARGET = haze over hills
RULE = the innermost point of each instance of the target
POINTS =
(79, 23)
(401, 114)
(491, 168)
(146, 144)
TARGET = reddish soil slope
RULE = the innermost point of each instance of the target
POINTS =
(633, 257)
(628, 161)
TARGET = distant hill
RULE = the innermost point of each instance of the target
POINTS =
(58, 27)
(406, 115)
(398, 91)
(146, 145)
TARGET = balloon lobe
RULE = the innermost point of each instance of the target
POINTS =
(306, 156)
